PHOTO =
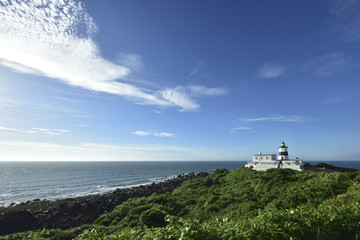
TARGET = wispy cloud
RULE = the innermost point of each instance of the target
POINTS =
(10, 129)
(89, 146)
(347, 15)
(198, 90)
(198, 71)
(11, 103)
(237, 129)
(43, 151)
(102, 147)
(277, 118)
(326, 65)
(81, 125)
(54, 39)
(333, 100)
(157, 112)
(271, 70)
(184, 96)
(57, 132)
(131, 60)
(154, 133)
(142, 133)
(164, 134)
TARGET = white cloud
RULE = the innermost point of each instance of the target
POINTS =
(40, 129)
(184, 97)
(63, 130)
(277, 118)
(142, 133)
(179, 96)
(271, 70)
(156, 134)
(198, 90)
(53, 38)
(10, 129)
(234, 130)
(57, 132)
(164, 134)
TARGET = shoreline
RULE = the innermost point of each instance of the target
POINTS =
(72, 212)
(85, 194)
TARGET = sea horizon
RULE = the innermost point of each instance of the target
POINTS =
(29, 180)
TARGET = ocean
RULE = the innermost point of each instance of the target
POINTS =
(24, 181)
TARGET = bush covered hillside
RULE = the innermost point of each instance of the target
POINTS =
(242, 204)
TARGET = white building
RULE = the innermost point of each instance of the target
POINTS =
(263, 162)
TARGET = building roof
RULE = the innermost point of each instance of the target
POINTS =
(264, 154)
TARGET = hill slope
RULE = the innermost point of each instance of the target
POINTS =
(243, 204)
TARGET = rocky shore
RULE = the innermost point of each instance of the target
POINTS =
(72, 212)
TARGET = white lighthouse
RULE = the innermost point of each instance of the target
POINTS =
(283, 152)
(263, 162)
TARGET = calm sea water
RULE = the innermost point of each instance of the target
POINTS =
(22, 181)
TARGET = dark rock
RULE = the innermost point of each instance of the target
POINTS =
(16, 221)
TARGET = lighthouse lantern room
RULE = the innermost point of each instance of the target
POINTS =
(283, 152)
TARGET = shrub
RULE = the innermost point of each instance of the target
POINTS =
(153, 218)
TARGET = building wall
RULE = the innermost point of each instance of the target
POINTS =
(257, 157)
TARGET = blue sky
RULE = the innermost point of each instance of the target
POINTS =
(179, 80)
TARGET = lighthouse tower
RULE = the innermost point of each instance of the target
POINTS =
(283, 152)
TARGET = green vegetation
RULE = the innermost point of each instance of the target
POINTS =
(243, 204)
(331, 167)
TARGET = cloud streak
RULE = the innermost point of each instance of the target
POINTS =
(325, 65)
(277, 118)
(43, 151)
(53, 38)
(10, 129)
(237, 129)
(347, 14)
(56, 132)
(156, 134)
